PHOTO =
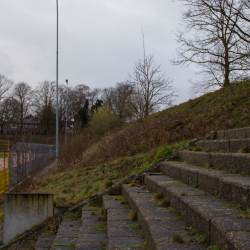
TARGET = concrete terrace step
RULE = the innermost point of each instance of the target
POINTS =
(238, 133)
(218, 221)
(159, 224)
(92, 233)
(122, 232)
(237, 163)
(231, 187)
(225, 145)
(44, 242)
(67, 235)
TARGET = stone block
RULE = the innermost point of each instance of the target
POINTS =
(247, 131)
(209, 181)
(240, 163)
(209, 144)
(245, 142)
(200, 144)
(235, 190)
(196, 158)
(183, 155)
(222, 230)
(223, 145)
(222, 161)
(124, 242)
(220, 134)
(174, 171)
(235, 145)
(213, 135)
(246, 169)
(201, 213)
(240, 133)
(193, 177)
(200, 158)
(185, 169)
(230, 134)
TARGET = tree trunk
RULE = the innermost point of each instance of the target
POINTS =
(227, 71)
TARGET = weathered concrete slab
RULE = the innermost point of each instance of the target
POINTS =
(122, 232)
(219, 145)
(235, 145)
(228, 186)
(45, 241)
(125, 242)
(196, 158)
(230, 134)
(160, 224)
(198, 210)
(235, 190)
(200, 144)
(220, 134)
(23, 211)
(92, 233)
(230, 233)
(240, 133)
(213, 135)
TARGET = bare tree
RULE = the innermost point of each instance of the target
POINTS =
(22, 93)
(214, 45)
(241, 10)
(9, 111)
(5, 86)
(44, 96)
(152, 88)
(118, 99)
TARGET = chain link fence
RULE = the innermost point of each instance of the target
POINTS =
(26, 158)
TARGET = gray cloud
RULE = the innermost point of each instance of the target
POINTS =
(99, 40)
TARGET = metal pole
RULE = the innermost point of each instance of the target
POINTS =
(66, 115)
(57, 87)
(72, 120)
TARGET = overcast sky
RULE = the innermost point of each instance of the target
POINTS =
(99, 40)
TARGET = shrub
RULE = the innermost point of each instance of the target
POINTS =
(244, 149)
(133, 215)
(176, 239)
(164, 202)
(158, 196)
(103, 120)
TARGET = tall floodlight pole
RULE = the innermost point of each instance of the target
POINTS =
(66, 114)
(57, 150)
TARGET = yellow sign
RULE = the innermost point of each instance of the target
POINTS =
(4, 165)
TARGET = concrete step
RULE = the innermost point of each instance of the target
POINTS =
(231, 187)
(220, 222)
(226, 145)
(44, 242)
(123, 233)
(161, 226)
(92, 233)
(67, 235)
(239, 133)
(235, 163)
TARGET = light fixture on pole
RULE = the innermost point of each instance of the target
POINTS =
(57, 135)
(66, 114)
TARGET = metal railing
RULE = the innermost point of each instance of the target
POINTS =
(26, 158)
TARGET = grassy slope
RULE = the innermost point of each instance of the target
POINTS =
(223, 109)
(71, 187)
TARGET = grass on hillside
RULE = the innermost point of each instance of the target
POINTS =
(91, 163)
(71, 187)
(225, 108)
